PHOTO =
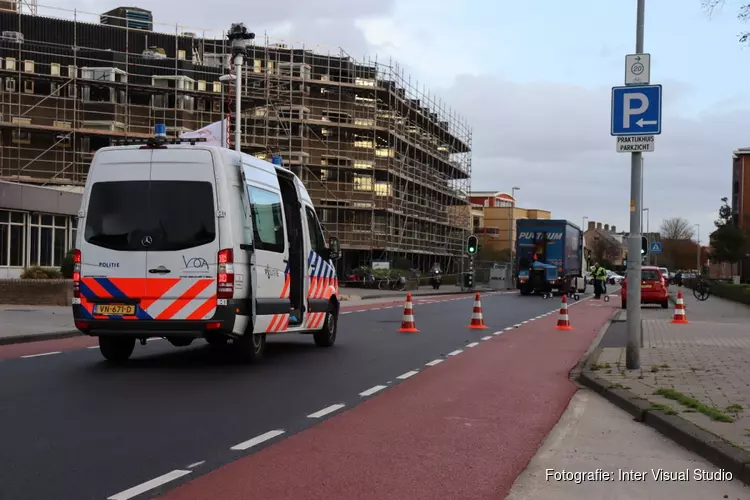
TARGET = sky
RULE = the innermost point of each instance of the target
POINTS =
(533, 81)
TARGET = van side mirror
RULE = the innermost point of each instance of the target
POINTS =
(334, 248)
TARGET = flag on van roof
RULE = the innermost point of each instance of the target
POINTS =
(212, 133)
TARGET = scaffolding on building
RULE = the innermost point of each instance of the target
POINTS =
(387, 164)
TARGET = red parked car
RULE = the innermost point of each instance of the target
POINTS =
(654, 288)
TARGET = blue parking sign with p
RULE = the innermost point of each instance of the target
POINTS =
(636, 110)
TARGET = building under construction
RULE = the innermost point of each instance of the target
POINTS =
(387, 165)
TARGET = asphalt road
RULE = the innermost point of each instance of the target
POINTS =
(72, 427)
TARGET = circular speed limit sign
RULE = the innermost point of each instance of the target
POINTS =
(637, 68)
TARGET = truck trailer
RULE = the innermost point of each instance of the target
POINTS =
(549, 257)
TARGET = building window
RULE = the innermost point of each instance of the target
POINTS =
(202, 85)
(362, 183)
(28, 66)
(364, 144)
(362, 165)
(48, 240)
(12, 241)
(21, 136)
(217, 87)
(10, 63)
(383, 189)
(54, 69)
(10, 84)
(28, 86)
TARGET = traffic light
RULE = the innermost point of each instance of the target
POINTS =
(644, 245)
(472, 245)
(469, 280)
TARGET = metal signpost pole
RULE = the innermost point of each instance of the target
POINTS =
(698, 257)
(632, 353)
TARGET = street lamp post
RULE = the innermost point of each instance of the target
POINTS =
(698, 256)
(648, 234)
(583, 230)
(510, 230)
(229, 77)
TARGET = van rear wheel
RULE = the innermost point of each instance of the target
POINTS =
(326, 337)
(116, 349)
(250, 346)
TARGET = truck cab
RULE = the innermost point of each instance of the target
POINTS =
(549, 257)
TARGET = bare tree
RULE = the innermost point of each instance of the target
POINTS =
(743, 14)
(676, 228)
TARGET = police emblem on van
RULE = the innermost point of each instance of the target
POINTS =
(109, 264)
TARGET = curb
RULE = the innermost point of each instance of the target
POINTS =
(24, 339)
(711, 447)
(436, 294)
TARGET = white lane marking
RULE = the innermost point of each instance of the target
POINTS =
(509, 329)
(456, 352)
(257, 440)
(372, 390)
(434, 362)
(524, 322)
(326, 411)
(346, 312)
(473, 344)
(517, 325)
(42, 354)
(149, 485)
(488, 337)
(407, 375)
(154, 339)
(196, 464)
(93, 347)
(376, 309)
(499, 332)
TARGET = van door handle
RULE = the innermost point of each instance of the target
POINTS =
(159, 270)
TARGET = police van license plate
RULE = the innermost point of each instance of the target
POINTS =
(114, 309)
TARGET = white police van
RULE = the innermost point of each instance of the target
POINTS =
(187, 241)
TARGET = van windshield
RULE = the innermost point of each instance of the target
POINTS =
(174, 215)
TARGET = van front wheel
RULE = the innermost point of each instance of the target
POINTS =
(116, 349)
(326, 337)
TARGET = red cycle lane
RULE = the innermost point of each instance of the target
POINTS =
(462, 429)
(11, 351)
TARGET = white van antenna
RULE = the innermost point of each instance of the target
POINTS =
(239, 38)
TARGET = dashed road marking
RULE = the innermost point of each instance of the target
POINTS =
(517, 325)
(196, 464)
(149, 485)
(326, 411)
(42, 354)
(372, 390)
(93, 347)
(257, 440)
(488, 337)
(500, 332)
(508, 329)
(456, 352)
(407, 375)
(473, 344)
(434, 362)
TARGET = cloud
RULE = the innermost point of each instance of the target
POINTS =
(553, 141)
(323, 22)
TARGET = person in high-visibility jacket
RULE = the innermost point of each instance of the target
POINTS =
(600, 276)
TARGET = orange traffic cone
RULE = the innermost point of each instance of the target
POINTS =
(563, 322)
(680, 317)
(407, 323)
(477, 321)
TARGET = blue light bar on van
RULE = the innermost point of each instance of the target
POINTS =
(160, 130)
(276, 160)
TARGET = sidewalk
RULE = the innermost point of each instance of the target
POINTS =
(20, 323)
(701, 372)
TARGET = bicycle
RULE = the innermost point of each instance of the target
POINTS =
(702, 290)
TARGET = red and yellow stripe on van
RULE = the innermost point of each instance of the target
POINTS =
(184, 302)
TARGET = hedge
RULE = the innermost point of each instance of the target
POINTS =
(726, 290)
